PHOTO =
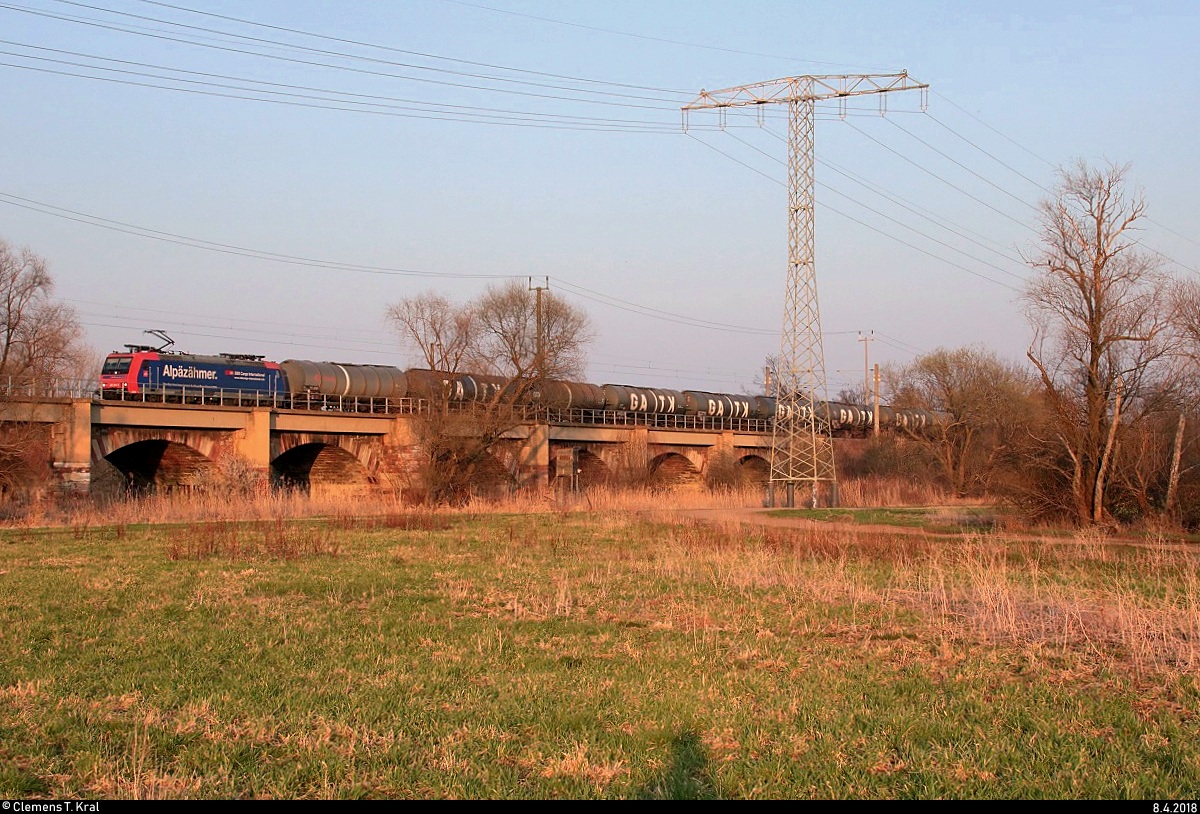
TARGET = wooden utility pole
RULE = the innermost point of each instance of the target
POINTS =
(875, 420)
(1173, 481)
(539, 359)
(866, 340)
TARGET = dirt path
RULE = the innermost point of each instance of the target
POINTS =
(762, 517)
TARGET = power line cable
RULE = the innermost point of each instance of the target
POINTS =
(226, 248)
(374, 100)
(464, 118)
(1002, 163)
(899, 203)
(928, 237)
(421, 54)
(643, 36)
(994, 130)
(930, 172)
(961, 165)
(240, 251)
(675, 95)
(907, 347)
(1160, 254)
(950, 226)
(351, 69)
(643, 310)
(864, 223)
(1048, 163)
(899, 200)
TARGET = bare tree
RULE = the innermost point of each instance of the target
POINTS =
(40, 339)
(524, 333)
(40, 344)
(1185, 440)
(853, 394)
(443, 333)
(983, 400)
(1099, 311)
(511, 336)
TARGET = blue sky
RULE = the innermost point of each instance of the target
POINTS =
(442, 145)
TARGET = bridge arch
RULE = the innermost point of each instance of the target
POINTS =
(318, 464)
(489, 476)
(158, 464)
(593, 471)
(673, 469)
(755, 469)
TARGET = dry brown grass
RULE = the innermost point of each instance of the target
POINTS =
(1070, 611)
(193, 506)
(891, 492)
(973, 584)
(196, 507)
(237, 540)
(1037, 596)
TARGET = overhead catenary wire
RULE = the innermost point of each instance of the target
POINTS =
(184, 328)
(290, 335)
(307, 331)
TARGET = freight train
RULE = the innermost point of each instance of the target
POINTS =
(146, 373)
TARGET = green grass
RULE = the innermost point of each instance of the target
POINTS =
(957, 520)
(935, 520)
(566, 656)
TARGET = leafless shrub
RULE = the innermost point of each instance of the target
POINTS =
(278, 539)
(416, 521)
(231, 475)
(723, 473)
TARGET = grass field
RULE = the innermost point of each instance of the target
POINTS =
(944, 520)
(600, 654)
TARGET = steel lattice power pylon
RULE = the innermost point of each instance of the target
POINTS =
(802, 444)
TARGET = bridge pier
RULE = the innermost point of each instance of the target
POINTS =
(534, 461)
(71, 447)
(253, 444)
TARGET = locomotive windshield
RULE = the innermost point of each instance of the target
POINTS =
(116, 365)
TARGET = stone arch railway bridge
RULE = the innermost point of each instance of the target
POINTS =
(353, 446)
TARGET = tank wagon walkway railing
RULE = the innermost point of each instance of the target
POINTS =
(28, 390)
(211, 396)
(225, 397)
